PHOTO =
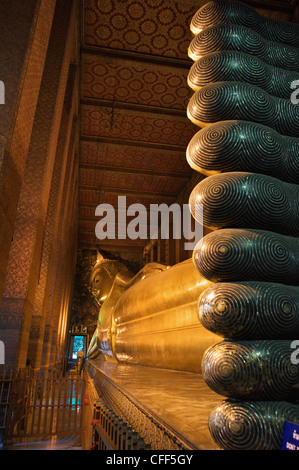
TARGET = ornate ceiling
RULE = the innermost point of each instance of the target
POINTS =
(133, 99)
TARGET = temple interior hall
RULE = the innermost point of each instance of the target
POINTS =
(101, 345)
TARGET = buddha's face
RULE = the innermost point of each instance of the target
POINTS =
(101, 284)
(102, 278)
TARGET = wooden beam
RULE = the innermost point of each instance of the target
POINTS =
(116, 241)
(138, 56)
(134, 143)
(133, 107)
(134, 171)
(128, 192)
(114, 248)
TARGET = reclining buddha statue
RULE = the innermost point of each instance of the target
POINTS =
(149, 318)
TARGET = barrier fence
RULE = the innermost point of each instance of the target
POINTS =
(40, 406)
(104, 429)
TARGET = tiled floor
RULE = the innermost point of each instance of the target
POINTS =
(53, 444)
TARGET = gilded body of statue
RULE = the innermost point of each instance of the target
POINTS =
(151, 318)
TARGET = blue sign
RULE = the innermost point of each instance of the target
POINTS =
(290, 436)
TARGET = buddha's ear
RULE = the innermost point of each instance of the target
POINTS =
(99, 257)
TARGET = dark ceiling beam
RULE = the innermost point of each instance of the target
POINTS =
(138, 56)
(133, 107)
(127, 192)
(115, 248)
(95, 219)
(128, 218)
(120, 242)
(133, 143)
(135, 171)
(86, 205)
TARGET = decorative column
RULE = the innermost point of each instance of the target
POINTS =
(52, 234)
(64, 256)
(25, 32)
(26, 249)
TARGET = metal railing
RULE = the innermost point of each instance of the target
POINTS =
(103, 429)
(112, 433)
(40, 406)
(6, 379)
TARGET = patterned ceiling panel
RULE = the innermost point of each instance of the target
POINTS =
(89, 197)
(122, 181)
(137, 126)
(156, 27)
(138, 198)
(86, 238)
(87, 209)
(134, 95)
(133, 82)
(89, 225)
(134, 128)
(88, 214)
(133, 157)
(88, 219)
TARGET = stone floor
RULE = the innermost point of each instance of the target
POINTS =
(180, 399)
(53, 444)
